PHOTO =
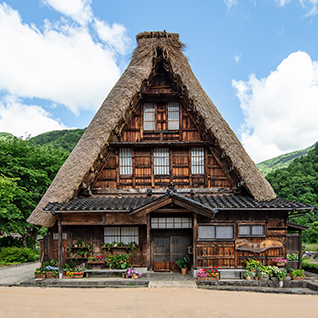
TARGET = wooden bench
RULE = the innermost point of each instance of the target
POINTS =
(89, 272)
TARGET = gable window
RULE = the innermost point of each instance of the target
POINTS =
(215, 232)
(125, 234)
(161, 161)
(56, 236)
(149, 116)
(173, 116)
(197, 160)
(125, 161)
(251, 230)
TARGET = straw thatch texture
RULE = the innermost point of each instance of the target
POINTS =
(86, 157)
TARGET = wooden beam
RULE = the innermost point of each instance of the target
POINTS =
(195, 238)
(60, 246)
(299, 247)
(148, 243)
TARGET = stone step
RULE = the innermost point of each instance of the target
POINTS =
(165, 283)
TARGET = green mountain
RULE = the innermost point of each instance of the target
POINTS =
(4, 135)
(281, 161)
(65, 139)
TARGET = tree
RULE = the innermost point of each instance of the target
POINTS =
(27, 171)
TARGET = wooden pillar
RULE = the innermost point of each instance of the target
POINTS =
(60, 246)
(195, 238)
(148, 243)
(299, 249)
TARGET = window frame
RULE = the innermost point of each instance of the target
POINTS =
(129, 159)
(198, 167)
(148, 121)
(167, 220)
(250, 225)
(217, 239)
(121, 235)
(173, 120)
(162, 166)
(55, 236)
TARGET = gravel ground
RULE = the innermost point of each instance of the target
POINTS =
(148, 302)
(12, 275)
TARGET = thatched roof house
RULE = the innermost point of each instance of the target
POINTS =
(83, 164)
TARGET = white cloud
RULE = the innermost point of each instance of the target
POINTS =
(310, 5)
(237, 57)
(280, 110)
(79, 10)
(230, 3)
(281, 3)
(62, 64)
(114, 36)
(19, 119)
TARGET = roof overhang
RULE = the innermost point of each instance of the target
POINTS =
(294, 226)
(173, 197)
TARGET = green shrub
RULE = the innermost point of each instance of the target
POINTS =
(9, 255)
(309, 265)
(311, 247)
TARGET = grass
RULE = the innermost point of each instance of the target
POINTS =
(311, 247)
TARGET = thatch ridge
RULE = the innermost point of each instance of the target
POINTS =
(81, 166)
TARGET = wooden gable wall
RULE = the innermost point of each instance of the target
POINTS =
(160, 92)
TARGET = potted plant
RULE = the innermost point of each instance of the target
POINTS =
(248, 274)
(258, 274)
(39, 273)
(182, 264)
(298, 274)
(208, 273)
(281, 275)
(280, 262)
(132, 273)
(265, 271)
(253, 265)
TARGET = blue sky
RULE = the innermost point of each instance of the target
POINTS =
(257, 60)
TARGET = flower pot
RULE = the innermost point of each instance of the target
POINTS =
(207, 278)
(264, 277)
(49, 275)
(297, 278)
(281, 283)
(183, 271)
(282, 264)
(134, 276)
(255, 278)
(39, 275)
(248, 277)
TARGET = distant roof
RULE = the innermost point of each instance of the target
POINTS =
(129, 203)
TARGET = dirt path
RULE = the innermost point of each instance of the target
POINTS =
(16, 274)
(146, 302)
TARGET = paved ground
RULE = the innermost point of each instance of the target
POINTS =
(150, 302)
(13, 275)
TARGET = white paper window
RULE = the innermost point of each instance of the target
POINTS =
(171, 223)
(173, 116)
(210, 232)
(161, 161)
(123, 234)
(197, 160)
(251, 230)
(149, 116)
(125, 161)
(56, 236)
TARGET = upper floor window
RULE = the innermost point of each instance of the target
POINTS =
(173, 116)
(161, 161)
(125, 161)
(149, 116)
(197, 160)
(251, 230)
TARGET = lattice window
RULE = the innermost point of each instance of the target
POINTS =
(125, 161)
(197, 160)
(171, 223)
(161, 161)
(56, 236)
(123, 234)
(251, 230)
(173, 116)
(149, 116)
(214, 232)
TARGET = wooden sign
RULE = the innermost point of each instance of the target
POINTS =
(257, 247)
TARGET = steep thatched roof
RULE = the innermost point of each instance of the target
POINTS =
(81, 166)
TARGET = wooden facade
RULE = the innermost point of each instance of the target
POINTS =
(162, 146)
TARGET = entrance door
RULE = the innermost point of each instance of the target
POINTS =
(167, 249)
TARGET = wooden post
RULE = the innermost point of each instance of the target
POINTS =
(299, 249)
(148, 243)
(60, 246)
(195, 239)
